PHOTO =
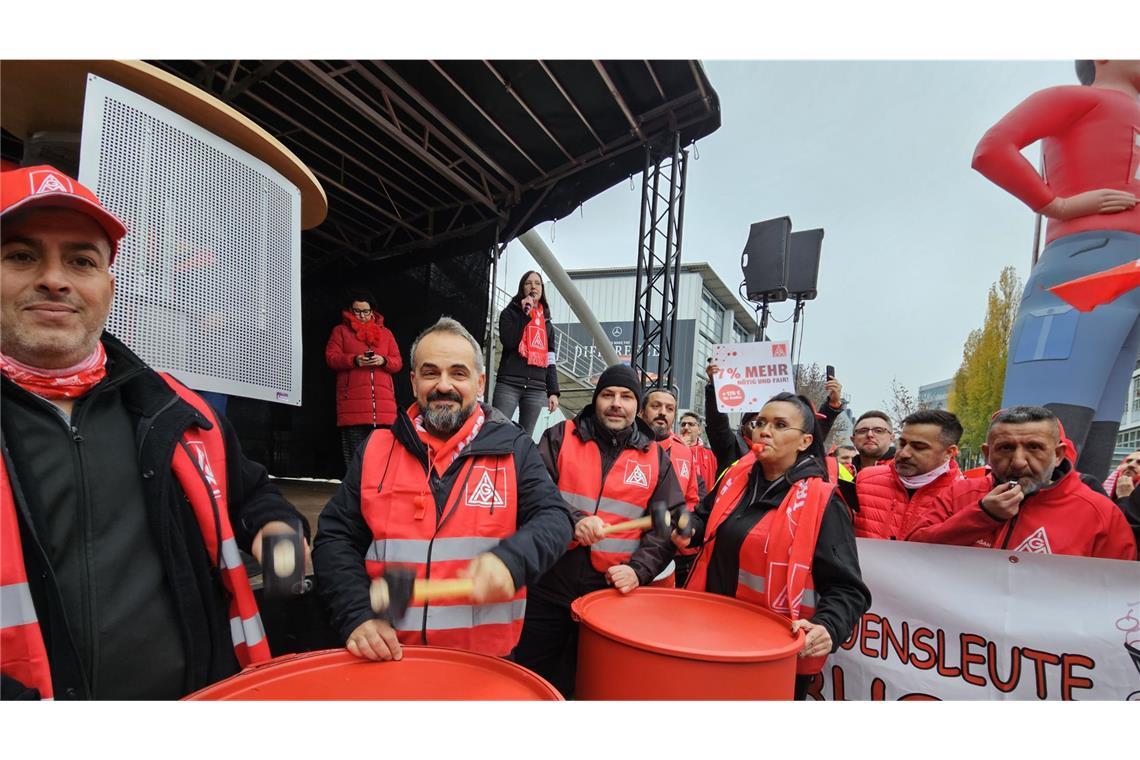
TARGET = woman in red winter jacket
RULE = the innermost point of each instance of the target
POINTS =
(364, 355)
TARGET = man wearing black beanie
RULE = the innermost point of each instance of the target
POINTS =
(609, 469)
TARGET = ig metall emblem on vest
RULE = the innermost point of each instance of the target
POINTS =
(483, 487)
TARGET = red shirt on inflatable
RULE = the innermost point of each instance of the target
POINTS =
(1091, 141)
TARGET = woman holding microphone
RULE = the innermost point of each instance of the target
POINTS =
(776, 533)
(527, 379)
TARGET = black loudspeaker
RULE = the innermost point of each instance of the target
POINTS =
(803, 264)
(765, 260)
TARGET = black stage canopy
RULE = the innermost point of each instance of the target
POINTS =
(445, 156)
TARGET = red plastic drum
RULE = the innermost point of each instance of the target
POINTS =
(424, 673)
(658, 643)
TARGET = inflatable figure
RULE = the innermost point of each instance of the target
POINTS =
(1076, 364)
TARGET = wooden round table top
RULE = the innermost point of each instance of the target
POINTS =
(48, 96)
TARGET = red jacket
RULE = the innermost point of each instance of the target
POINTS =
(885, 508)
(1089, 140)
(364, 395)
(1065, 518)
(706, 464)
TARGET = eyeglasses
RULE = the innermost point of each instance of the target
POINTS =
(362, 312)
(875, 430)
(688, 423)
(777, 425)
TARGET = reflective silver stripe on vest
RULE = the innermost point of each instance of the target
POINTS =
(231, 557)
(458, 616)
(16, 607)
(415, 550)
(617, 545)
(248, 631)
(577, 501)
(613, 506)
(757, 583)
(622, 508)
(754, 582)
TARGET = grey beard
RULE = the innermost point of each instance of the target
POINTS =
(444, 423)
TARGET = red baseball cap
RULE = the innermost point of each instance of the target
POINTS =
(47, 186)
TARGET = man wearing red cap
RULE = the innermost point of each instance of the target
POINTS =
(124, 497)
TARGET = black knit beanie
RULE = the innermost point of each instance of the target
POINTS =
(622, 376)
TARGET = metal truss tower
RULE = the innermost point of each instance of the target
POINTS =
(659, 261)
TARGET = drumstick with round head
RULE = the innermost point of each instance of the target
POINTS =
(658, 520)
(398, 588)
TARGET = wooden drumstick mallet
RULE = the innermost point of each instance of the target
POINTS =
(398, 588)
(658, 520)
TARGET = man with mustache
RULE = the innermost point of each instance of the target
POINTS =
(124, 497)
(1032, 499)
(691, 429)
(892, 495)
(609, 470)
(659, 411)
(453, 489)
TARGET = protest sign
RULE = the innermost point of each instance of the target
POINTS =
(950, 622)
(750, 374)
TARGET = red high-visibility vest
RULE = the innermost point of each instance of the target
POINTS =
(624, 495)
(761, 579)
(199, 463)
(397, 504)
(685, 466)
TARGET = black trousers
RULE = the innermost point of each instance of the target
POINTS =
(549, 643)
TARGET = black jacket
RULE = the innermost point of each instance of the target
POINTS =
(114, 465)
(513, 367)
(727, 445)
(842, 595)
(343, 537)
(574, 575)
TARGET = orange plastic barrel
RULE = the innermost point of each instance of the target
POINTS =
(659, 643)
(423, 673)
(667, 578)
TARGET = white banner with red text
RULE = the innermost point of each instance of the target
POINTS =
(750, 374)
(950, 622)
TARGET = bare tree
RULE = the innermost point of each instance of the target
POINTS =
(902, 403)
(810, 379)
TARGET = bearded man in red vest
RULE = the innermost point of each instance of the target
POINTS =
(892, 495)
(659, 410)
(609, 469)
(124, 497)
(1032, 499)
(454, 489)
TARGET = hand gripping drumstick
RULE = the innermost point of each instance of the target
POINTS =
(398, 588)
(658, 520)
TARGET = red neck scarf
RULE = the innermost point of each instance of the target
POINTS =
(69, 382)
(532, 345)
(367, 332)
(442, 453)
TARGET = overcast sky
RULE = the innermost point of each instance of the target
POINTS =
(877, 154)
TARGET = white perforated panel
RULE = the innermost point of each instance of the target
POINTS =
(208, 277)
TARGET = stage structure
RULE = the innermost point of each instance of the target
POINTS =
(429, 167)
(659, 261)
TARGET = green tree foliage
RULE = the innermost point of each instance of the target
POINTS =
(976, 392)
